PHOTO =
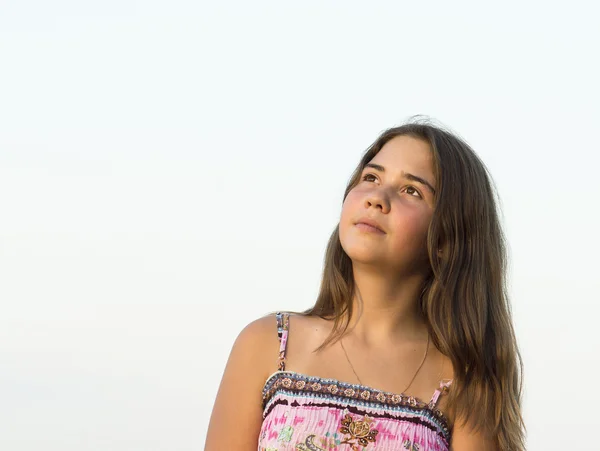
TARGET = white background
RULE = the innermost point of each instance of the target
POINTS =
(170, 171)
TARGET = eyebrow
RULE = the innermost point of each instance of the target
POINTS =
(406, 175)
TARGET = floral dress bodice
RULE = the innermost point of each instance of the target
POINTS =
(308, 413)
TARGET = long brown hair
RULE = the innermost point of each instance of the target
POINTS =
(464, 300)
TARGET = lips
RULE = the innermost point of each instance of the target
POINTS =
(370, 222)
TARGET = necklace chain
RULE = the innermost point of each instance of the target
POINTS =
(411, 381)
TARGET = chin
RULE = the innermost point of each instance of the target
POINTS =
(361, 252)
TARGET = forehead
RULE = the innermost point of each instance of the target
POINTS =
(406, 153)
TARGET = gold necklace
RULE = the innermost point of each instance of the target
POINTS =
(411, 381)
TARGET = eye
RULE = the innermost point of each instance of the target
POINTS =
(413, 189)
(366, 176)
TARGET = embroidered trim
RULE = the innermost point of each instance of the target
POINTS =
(288, 380)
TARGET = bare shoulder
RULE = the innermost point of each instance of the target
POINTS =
(260, 335)
(238, 405)
(446, 368)
(257, 345)
(313, 330)
(446, 374)
(313, 325)
(466, 438)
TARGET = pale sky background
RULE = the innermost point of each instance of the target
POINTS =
(170, 171)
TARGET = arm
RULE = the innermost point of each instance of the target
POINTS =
(465, 439)
(237, 413)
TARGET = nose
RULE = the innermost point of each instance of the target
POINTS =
(376, 199)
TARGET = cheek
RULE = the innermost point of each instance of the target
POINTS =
(349, 212)
(349, 207)
(411, 229)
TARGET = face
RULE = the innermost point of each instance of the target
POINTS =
(394, 194)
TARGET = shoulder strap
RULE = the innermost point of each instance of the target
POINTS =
(443, 388)
(283, 324)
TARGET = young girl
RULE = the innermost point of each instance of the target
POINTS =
(410, 344)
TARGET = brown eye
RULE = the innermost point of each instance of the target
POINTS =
(412, 188)
(368, 175)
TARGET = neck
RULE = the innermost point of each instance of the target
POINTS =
(385, 308)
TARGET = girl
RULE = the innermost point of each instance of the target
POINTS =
(410, 344)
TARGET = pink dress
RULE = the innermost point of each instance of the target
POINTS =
(307, 413)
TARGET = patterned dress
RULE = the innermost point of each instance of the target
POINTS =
(307, 413)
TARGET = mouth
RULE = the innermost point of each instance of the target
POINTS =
(369, 225)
